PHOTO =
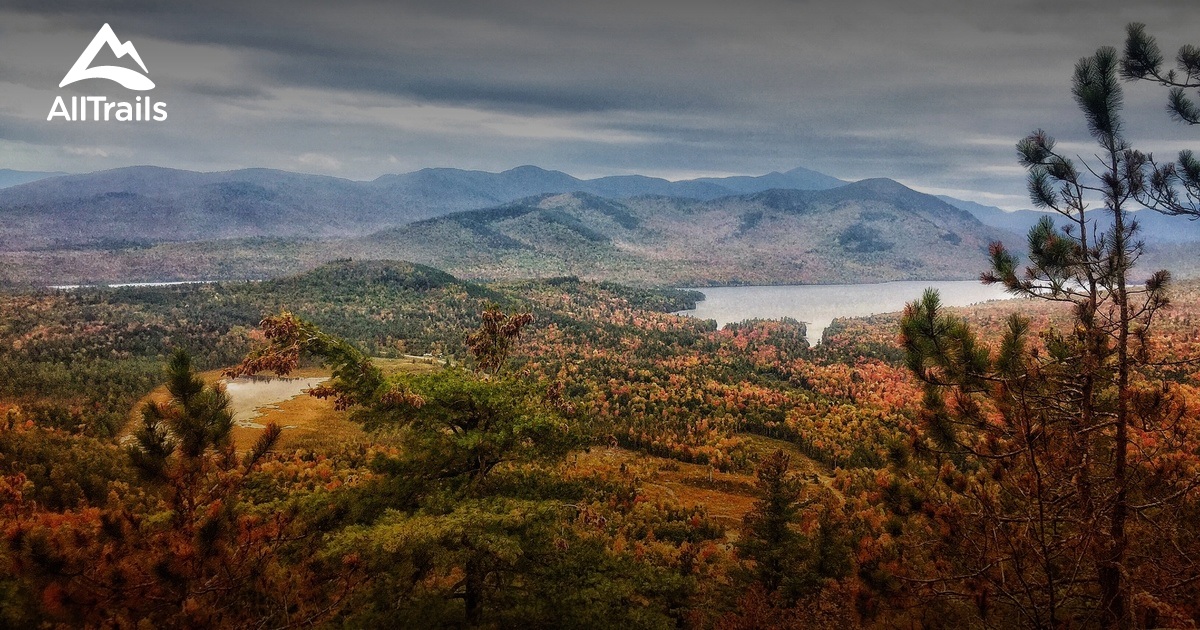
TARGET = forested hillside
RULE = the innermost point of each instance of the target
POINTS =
(870, 231)
(595, 463)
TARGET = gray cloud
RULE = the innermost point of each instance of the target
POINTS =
(932, 92)
(225, 90)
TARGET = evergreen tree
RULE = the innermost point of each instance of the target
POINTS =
(454, 428)
(797, 554)
(1172, 187)
(195, 419)
(191, 547)
(1050, 448)
(770, 537)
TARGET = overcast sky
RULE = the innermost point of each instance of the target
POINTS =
(932, 93)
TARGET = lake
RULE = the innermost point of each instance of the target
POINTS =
(819, 304)
(122, 285)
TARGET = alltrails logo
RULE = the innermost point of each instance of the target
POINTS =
(99, 107)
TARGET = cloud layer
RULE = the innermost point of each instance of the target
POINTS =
(933, 93)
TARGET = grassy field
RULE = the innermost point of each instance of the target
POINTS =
(308, 423)
(314, 424)
(727, 497)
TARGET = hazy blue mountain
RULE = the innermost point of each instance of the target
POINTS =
(476, 189)
(873, 230)
(624, 186)
(797, 179)
(1156, 229)
(1018, 221)
(9, 177)
(473, 186)
(147, 204)
(1160, 228)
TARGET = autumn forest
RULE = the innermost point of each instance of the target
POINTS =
(560, 452)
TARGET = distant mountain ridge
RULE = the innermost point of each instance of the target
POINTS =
(478, 189)
(869, 231)
(794, 226)
(873, 230)
(150, 204)
(46, 210)
(9, 177)
(795, 179)
(1157, 229)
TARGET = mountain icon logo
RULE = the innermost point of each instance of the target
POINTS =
(131, 79)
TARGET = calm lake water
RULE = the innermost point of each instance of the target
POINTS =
(818, 304)
(121, 285)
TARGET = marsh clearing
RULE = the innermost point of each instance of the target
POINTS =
(307, 422)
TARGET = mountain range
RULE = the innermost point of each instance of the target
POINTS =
(1157, 229)
(873, 230)
(150, 205)
(148, 223)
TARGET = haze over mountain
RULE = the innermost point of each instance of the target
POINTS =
(148, 223)
(9, 177)
(874, 230)
(150, 204)
(1156, 229)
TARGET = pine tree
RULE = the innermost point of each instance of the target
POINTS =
(1047, 447)
(190, 547)
(195, 419)
(1172, 187)
(770, 537)
(454, 428)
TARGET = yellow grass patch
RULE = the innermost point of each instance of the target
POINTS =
(307, 422)
(726, 496)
